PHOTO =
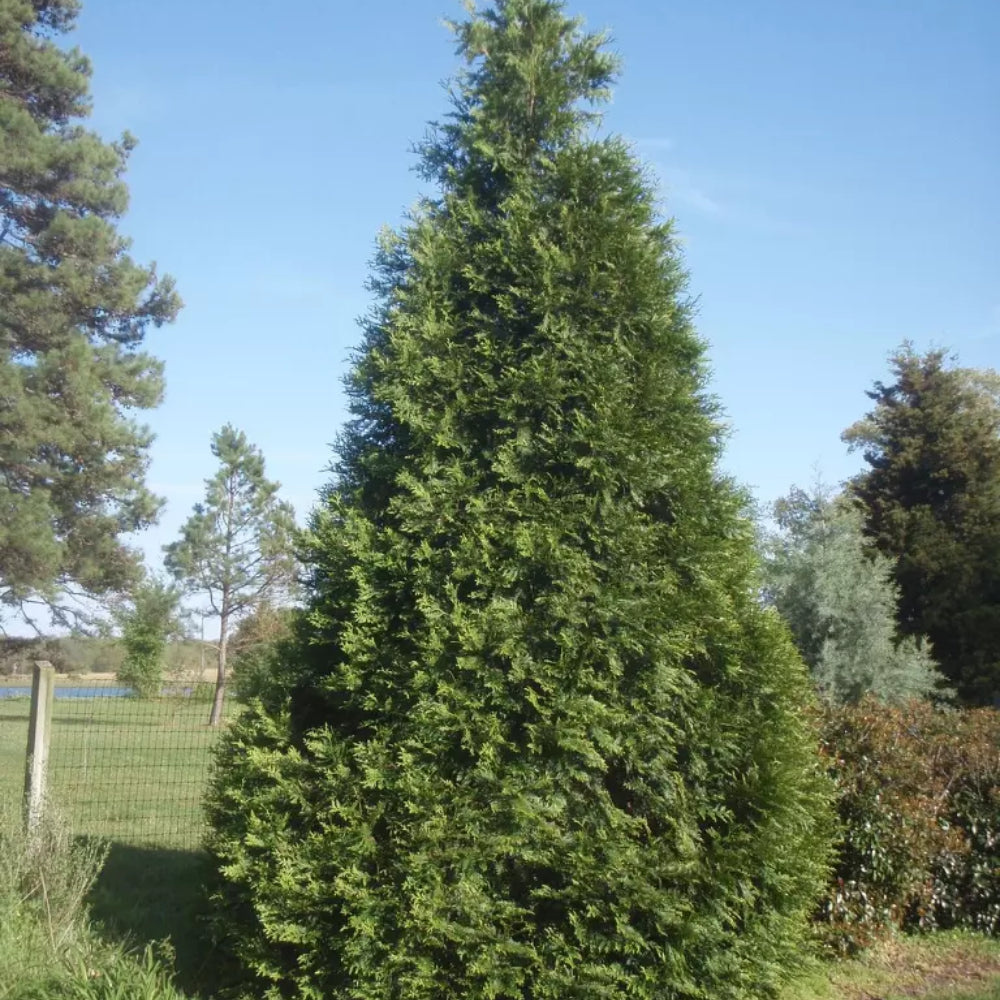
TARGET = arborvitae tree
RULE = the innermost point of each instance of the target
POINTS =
(840, 602)
(539, 739)
(74, 308)
(237, 548)
(931, 497)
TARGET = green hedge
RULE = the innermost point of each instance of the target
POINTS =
(919, 801)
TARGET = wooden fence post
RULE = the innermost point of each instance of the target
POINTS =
(39, 733)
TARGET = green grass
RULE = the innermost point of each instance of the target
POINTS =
(132, 773)
(146, 895)
(128, 770)
(943, 966)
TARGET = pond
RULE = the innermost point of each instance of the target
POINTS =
(20, 691)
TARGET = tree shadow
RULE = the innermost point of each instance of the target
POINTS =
(150, 894)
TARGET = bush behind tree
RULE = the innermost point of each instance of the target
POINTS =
(260, 642)
(918, 796)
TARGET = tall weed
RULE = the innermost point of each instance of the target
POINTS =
(48, 948)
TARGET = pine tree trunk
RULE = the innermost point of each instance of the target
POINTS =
(220, 678)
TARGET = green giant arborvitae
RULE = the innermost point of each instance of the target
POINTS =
(537, 738)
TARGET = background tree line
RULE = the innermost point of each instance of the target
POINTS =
(892, 586)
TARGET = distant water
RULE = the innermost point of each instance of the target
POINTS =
(68, 692)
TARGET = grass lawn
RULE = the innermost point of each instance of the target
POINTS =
(146, 895)
(132, 771)
(943, 966)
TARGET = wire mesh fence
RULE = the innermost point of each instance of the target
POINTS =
(119, 767)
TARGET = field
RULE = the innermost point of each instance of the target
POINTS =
(132, 771)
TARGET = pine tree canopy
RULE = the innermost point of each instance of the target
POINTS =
(931, 495)
(537, 739)
(74, 308)
(237, 548)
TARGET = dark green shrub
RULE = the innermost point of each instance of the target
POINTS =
(18, 654)
(920, 810)
(537, 739)
(967, 881)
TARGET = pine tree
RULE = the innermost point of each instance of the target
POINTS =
(840, 602)
(539, 739)
(74, 308)
(237, 548)
(931, 496)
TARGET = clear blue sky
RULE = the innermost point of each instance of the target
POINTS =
(832, 168)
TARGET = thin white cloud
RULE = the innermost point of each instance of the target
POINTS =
(698, 190)
(293, 456)
(738, 205)
(689, 193)
(682, 187)
(281, 285)
(128, 103)
(655, 143)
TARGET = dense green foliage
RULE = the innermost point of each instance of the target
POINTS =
(919, 799)
(148, 623)
(840, 602)
(538, 739)
(74, 309)
(237, 548)
(932, 503)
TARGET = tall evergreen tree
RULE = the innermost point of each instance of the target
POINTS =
(74, 308)
(840, 602)
(237, 547)
(539, 739)
(931, 496)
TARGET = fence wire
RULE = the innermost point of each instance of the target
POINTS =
(121, 768)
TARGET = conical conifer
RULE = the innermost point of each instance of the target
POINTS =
(537, 738)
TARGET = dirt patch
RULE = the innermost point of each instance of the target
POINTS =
(905, 971)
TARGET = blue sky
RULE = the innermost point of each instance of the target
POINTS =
(831, 166)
